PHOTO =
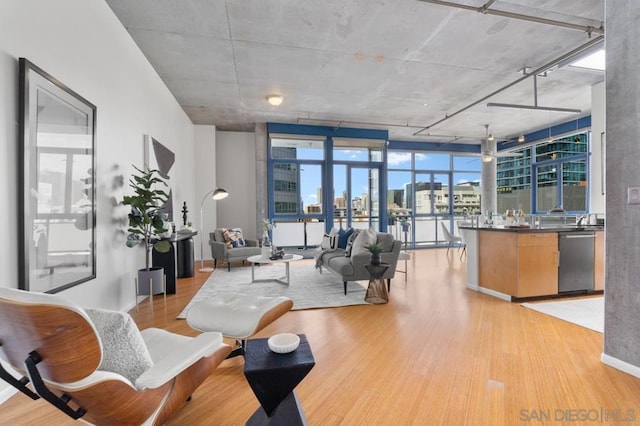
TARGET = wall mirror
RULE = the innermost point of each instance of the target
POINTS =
(57, 183)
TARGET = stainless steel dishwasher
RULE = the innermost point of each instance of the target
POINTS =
(575, 267)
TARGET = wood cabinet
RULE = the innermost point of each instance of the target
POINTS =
(598, 266)
(537, 265)
(519, 264)
(524, 264)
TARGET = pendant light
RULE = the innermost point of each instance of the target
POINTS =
(521, 137)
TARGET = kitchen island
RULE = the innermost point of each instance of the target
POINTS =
(515, 263)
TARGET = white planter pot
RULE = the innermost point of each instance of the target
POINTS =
(153, 275)
(266, 252)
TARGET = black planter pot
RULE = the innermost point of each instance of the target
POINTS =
(375, 259)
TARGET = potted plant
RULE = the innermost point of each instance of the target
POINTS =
(375, 249)
(404, 223)
(267, 248)
(147, 223)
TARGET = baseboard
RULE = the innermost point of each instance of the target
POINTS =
(474, 287)
(620, 365)
(495, 293)
(6, 391)
(5, 394)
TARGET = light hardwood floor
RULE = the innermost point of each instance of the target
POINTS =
(436, 354)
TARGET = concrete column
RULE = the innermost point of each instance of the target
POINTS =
(261, 175)
(488, 193)
(622, 287)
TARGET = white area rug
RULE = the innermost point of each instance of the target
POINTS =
(309, 289)
(588, 312)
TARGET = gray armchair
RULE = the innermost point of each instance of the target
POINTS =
(219, 250)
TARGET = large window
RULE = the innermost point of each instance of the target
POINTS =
(297, 176)
(514, 181)
(559, 170)
(425, 188)
(319, 182)
(356, 182)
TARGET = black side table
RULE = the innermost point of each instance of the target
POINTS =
(377, 293)
(273, 378)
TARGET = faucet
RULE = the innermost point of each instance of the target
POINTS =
(580, 220)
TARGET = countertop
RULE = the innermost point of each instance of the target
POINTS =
(544, 228)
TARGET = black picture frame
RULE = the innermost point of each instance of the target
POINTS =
(57, 191)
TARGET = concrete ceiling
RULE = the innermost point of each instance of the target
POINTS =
(366, 63)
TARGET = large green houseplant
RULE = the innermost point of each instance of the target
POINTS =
(146, 219)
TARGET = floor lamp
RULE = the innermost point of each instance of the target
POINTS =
(216, 194)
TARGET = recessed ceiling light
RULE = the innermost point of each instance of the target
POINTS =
(425, 104)
(275, 100)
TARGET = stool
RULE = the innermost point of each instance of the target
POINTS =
(273, 378)
(237, 316)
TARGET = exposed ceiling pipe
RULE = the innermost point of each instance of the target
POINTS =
(534, 107)
(537, 71)
(485, 10)
(485, 7)
(365, 123)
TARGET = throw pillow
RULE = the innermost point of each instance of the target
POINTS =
(233, 238)
(236, 238)
(329, 242)
(343, 237)
(227, 238)
(349, 248)
(123, 349)
(364, 239)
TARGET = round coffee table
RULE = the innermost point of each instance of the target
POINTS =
(261, 260)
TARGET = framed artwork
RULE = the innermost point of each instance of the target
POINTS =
(57, 140)
(159, 157)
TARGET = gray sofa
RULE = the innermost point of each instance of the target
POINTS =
(219, 250)
(352, 268)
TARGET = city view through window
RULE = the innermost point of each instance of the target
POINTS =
(421, 188)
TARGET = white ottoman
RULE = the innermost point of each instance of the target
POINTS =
(237, 316)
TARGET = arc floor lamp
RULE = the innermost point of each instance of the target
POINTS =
(216, 194)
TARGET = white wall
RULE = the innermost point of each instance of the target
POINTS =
(205, 163)
(596, 179)
(81, 43)
(236, 172)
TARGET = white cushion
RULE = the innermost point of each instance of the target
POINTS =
(123, 349)
(173, 354)
(234, 315)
